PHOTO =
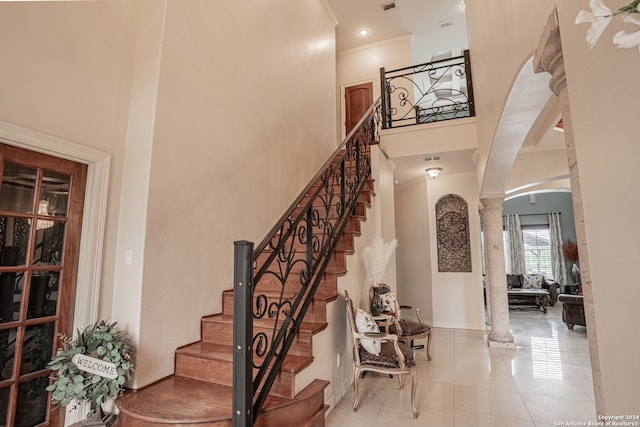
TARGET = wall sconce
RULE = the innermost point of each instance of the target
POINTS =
(433, 172)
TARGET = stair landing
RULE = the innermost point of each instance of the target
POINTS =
(171, 402)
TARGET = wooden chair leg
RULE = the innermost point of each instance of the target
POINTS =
(356, 377)
(429, 345)
(414, 382)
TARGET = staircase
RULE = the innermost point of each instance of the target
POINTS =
(200, 391)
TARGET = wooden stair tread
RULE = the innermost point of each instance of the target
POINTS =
(292, 363)
(179, 400)
(175, 400)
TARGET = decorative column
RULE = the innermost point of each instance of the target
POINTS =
(549, 58)
(500, 335)
(487, 290)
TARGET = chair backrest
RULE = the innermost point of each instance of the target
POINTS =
(351, 319)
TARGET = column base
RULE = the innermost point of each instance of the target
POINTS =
(502, 341)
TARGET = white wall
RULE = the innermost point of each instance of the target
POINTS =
(448, 300)
(383, 204)
(538, 167)
(502, 35)
(414, 250)
(219, 135)
(438, 137)
(363, 65)
(457, 297)
(605, 129)
(239, 132)
(65, 70)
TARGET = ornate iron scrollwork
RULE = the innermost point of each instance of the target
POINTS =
(291, 261)
(430, 92)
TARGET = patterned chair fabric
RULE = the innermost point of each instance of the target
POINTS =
(407, 323)
(395, 357)
(388, 357)
(409, 328)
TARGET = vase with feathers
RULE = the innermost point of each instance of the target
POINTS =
(376, 257)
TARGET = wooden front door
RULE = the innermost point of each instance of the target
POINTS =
(357, 100)
(41, 201)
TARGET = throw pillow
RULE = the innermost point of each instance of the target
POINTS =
(365, 323)
(389, 301)
(533, 281)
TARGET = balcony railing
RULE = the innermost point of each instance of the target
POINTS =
(426, 93)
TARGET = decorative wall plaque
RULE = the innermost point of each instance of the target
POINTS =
(452, 229)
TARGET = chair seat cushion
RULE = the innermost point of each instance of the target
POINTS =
(409, 328)
(388, 357)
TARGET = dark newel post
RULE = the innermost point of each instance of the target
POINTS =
(242, 334)
(467, 71)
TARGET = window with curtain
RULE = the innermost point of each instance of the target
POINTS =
(537, 250)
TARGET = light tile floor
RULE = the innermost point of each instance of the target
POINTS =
(546, 380)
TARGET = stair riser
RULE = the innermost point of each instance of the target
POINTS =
(221, 372)
(317, 310)
(290, 415)
(337, 263)
(331, 213)
(269, 283)
(346, 241)
(222, 333)
(125, 420)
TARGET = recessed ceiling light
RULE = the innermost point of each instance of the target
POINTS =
(363, 32)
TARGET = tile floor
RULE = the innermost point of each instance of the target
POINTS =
(546, 380)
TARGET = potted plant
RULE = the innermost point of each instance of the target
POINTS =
(93, 367)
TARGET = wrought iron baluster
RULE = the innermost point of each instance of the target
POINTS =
(426, 93)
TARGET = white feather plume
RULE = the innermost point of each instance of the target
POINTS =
(375, 258)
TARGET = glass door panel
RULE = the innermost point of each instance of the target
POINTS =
(18, 188)
(40, 219)
(14, 238)
(11, 285)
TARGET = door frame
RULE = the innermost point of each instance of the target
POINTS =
(343, 108)
(93, 221)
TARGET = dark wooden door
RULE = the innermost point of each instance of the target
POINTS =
(41, 201)
(357, 100)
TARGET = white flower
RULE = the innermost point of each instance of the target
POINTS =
(631, 19)
(627, 40)
(622, 39)
(600, 16)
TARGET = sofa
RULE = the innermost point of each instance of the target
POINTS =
(518, 280)
(573, 310)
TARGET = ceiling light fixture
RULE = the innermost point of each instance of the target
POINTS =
(363, 32)
(43, 209)
(433, 172)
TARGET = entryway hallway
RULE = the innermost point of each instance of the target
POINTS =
(546, 380)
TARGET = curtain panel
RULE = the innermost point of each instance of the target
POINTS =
(515, 264)
(558, 264)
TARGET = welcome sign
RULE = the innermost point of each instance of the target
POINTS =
(95, 366)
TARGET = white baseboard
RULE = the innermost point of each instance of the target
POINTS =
(456, 325)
